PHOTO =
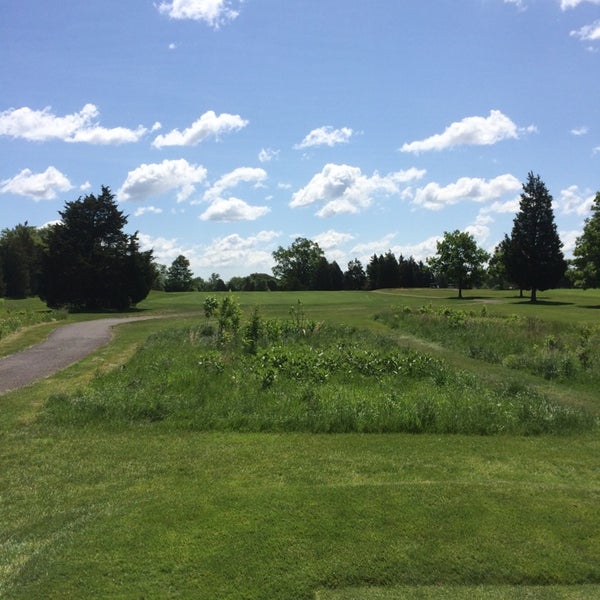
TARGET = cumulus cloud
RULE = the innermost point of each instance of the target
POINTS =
(474, 131)
(143, 210)
(251, 253)
(345, 189)
(233, 209)
(573, 201)
(43, 125)
(234, 178)
(208, 125)
(39, 186)
(214, 13)
(325, 136)
(588, 33)
(331, 238)
(229, 209)
(566, 4)
(435, 197)
(158, 178)
(165, 250)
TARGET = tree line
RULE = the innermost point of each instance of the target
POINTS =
(86, 261)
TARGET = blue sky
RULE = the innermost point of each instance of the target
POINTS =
(229, 128)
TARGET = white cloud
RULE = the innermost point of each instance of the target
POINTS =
(233, 209)
(39, 186)
(325, 136)
(476, 131)
(344, 189)
(165, 250)
(143, 210)
(42, 125)
(419, 251)
(208, 125)
(435, 197)
(588, 33)
(573, 201)
(232, 179)
(243, 254)
(480, 229)
(508, 206)
(330, 239)
(566, 4)
(267, 155)
(84, 187)
(214, 13)
(569, 239)
(158, 178)
(577, 131)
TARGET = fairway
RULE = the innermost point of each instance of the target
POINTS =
(116, 504)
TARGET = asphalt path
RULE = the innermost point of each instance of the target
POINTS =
(64, 346)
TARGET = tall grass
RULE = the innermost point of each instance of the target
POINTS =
(553, 350)
(302, 377)
(13, 319)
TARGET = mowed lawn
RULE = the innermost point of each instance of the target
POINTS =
(143, 511)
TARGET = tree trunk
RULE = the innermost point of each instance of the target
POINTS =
(533, 295)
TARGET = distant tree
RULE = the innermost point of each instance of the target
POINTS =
(374, 269)
(534, 259)
(89, 262)
(20, 253)
(496, 276)
(215, 283)
(161, 277)
(296, 266)
(355, 277)
(459, 258)
(179, 276)
(586, 261)
(2, 284)
(389, 273)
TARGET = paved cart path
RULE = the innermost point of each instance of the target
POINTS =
(64, 346)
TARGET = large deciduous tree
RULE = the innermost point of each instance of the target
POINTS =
(533, 255)
(587, 250)
(89, 263)
(459, 258)
(296, 267)
(179, 276)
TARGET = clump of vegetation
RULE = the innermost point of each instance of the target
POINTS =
(551, 350)
(298, 375)
(13, 320)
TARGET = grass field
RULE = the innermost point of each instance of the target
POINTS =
(98, 501)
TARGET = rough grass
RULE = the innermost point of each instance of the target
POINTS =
(313, 379)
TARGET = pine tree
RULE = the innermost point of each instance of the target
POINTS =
(534, 259)
(587, 250)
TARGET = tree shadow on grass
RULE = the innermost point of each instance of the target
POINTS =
(544, 303)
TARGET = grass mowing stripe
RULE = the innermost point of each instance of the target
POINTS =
(444, 592)
(272, 516)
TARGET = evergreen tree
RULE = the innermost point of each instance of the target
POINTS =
(179, 276)
(587, 250)
(374, 269)
(534, 259)
(89, 262)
